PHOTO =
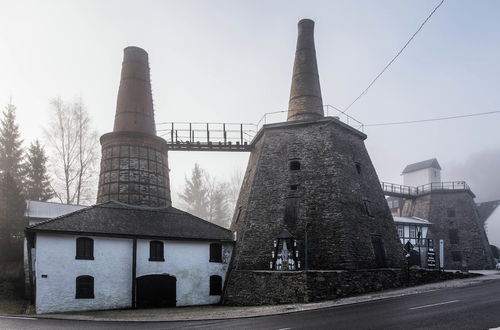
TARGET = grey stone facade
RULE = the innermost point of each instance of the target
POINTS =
(455, 221)
(269, 288)
(331, 192)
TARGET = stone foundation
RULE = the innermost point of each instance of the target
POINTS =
(270, 287)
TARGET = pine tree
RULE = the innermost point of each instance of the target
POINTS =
(12, 222)
(195, 194)
(10, 144)
(37, 181)
(219, 203)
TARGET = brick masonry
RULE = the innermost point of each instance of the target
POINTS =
(454, 213)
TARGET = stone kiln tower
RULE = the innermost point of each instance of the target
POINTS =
(309, 178)
(134, 163)
(455, 225)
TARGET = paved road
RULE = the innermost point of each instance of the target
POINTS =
(471, 307)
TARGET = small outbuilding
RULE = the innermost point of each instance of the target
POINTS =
(115, 255)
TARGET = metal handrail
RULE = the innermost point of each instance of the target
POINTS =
(423, 189)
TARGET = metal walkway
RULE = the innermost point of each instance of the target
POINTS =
(207, 136)
(402, 191)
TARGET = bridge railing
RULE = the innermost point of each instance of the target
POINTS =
(409, 191)
(207, 133)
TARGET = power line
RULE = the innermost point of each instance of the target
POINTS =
(394, 58)
(434, 119)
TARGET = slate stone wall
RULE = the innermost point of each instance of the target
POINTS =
(134, 170)
(330, 195)
(454, 213)
(273, 287)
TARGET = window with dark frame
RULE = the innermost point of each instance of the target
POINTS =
(369, 208)
(215, 252)
(84, 248)
(215, 285)
(294, 165)
(84, 287)
(294, 187)
(156, 251)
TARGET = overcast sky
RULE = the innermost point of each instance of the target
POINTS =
(231, 61)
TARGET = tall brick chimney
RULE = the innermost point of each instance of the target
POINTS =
(305, 94)
(134, 162)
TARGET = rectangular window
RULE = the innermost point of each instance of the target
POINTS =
(413, 232)
(215, 252)
(84, 248)
(454, 236)
(369, 208)
(378, 250)
(84, 287)
(156, 251)
(215, 285)
(401, 231)
(396, 203)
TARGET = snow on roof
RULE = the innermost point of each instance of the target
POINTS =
(414, 220)
(422, 165)
(48, 210)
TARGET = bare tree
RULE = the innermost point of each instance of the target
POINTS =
(74, 151)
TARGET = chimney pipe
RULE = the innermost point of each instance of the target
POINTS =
(134, 106)
(305, 94)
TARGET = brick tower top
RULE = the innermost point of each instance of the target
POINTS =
(305, 94)
(134, 106)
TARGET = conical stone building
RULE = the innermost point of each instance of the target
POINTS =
(311, 184)
(134, 162)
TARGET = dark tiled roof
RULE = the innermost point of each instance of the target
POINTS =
(117, 219)
(485, 209)
(421, 165)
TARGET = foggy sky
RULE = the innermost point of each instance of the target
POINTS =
(231, 61)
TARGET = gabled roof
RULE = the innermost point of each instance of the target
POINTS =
(486, 209)
(48, 210)
(117, 219)
(421, 165)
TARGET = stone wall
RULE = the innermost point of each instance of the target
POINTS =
(454, 213)
(270, 287)
(330, 194)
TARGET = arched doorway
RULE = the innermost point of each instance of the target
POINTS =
(156, 291)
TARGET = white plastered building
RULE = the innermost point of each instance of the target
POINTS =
(115, 255)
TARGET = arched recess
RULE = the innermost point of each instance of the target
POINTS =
(156, 291)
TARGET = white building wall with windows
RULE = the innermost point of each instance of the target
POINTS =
(189, 263)
(56, 270)
(421, 177)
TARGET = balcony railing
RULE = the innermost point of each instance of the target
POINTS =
(398, 190)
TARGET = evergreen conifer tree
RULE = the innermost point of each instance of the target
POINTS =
(11, 152)
(12, 222)
(36, 179)
(195, 194)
